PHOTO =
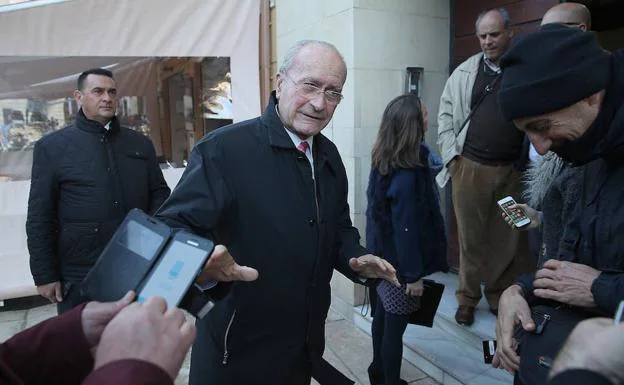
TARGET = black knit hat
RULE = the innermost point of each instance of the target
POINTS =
(551, 69)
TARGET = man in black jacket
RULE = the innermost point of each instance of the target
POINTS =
(85, 179)
(567, 94)
(274, 191)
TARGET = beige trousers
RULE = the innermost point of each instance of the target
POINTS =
(490, 251)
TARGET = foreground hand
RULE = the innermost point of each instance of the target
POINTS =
(513, 309)
(566, 282)
(415, 289)
(222, 267)
(51, 291)
(371, 266)
(594, 344)
(147, 332)
(529, 211)
(96, 315)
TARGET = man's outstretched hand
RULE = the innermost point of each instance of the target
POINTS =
(371, 266)
(222, 267)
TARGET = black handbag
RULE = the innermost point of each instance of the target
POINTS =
(429, 302)
(539, 348)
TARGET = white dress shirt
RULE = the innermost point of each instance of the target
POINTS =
(296, 140)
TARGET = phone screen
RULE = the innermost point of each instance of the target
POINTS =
(515, 215)
(174, 273)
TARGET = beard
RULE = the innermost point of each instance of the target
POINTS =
(577, 152)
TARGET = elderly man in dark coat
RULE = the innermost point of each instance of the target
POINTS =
(273, 190)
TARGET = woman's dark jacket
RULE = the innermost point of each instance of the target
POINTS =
(404, 223)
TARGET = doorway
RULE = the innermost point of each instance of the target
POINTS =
(181, 125)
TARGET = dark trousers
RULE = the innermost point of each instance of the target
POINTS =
(388, 332)
(71, 297)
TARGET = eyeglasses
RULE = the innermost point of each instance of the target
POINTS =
(309, 90)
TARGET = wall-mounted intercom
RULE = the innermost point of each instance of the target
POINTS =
(413, 80)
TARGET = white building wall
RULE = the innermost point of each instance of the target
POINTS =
(379, 39)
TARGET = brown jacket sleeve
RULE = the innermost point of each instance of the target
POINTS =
(129, 372)
(54, 349)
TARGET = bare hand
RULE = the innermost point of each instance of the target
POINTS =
(147, 332)
(415, 289)
(96, 315)
(371, 266)
(222, 267)
(513, 309)
(594, 344)
(566, 282)
(531, 213)
(51, 291)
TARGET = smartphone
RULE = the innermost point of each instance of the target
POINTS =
(177, 268)
(518, 216)
(489, 349)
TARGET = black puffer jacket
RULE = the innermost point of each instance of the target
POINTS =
(84, 181)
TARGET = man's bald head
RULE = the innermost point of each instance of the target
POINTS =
(570, 14)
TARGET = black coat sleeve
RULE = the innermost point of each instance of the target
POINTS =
(579, 377)
(158, 189)
(197, 205)
(41, 220)
(348, 237)
(608, 291)
(201, 197)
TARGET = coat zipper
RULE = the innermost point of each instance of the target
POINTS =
(226, 354)
(318, 214)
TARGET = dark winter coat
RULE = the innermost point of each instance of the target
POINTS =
(247, 187)
(85, 179)
(594, 237)
(403, 219)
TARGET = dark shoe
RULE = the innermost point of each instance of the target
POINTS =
(494, 311)
(375, 377)
(465, 315)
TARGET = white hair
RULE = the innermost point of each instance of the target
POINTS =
(292, 52)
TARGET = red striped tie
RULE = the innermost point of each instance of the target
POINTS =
(303, 147)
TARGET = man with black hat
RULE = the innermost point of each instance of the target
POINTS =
(567, 94)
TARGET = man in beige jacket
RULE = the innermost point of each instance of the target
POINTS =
(481, 159)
